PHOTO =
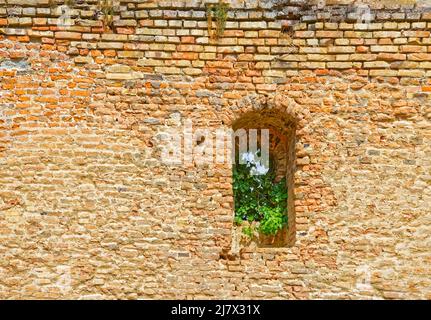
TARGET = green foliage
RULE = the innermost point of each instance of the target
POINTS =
(259, 200)
(248, 231)
(106, 7)
(219, 12)
(70, 3)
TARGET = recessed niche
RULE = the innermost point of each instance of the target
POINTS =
(263, 187)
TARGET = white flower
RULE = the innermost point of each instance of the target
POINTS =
(259, 169)
(256, 167)
(248, 157)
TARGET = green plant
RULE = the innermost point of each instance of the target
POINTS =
(106, 7)
(69, 3)
(259, 200)
(219, 12)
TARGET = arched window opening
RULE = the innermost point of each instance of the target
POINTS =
(262, 178)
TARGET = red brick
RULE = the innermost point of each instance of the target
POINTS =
(188, 40)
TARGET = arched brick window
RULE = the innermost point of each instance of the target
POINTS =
(251, 216)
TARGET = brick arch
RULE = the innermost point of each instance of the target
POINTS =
(277, 104)
(283, 118)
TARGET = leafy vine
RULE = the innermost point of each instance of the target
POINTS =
(106, 8)
(259, 200)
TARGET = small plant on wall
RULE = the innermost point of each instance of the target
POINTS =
(106, 8)
(69, 3)
(260, 202)
(219, 13)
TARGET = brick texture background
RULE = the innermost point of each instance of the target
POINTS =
(88, 211)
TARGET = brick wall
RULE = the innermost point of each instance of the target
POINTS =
(88, 210)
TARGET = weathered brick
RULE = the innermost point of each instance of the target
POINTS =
(391, 56)
(387, 34)
(304, 34)
(312, 65)
(231, 49)
(110, 45)
(150, 63)
(411, 73)
(252, 25)
(419, 56)
(114, 37)
(376, 64)
(384, 48)
(383, 73)
(341, 49)
(411, 48)
(339, 65)
(80, 59)
(168, 70)
(269, 34)
(149, 31)
(363, 57)
(207, 56)
(130, 54)
(329, 34)
(68, 35)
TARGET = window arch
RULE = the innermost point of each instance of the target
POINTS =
(260, 222)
